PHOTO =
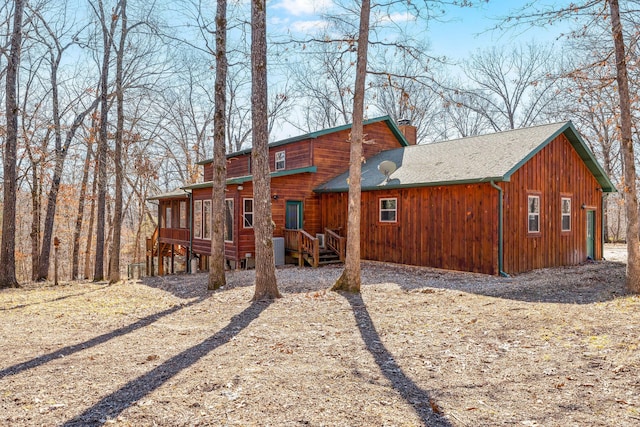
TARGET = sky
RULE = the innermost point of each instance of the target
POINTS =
(460, 31)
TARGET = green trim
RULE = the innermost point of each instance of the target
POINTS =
(247, 178)
(583, 151)
(413, 185)
(176, 194)
(314, 135)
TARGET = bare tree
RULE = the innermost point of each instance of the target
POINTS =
(217, 260)
(629, 190)
(350, 279)
(266, 284)
(7, 250)
(108, 22)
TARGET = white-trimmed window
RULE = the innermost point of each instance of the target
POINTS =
(197, 219)
(247, 213)
(228, 220)
(566, 213)
(167, 217)
(280, 160)
(389, 210)
(534, 214)
(206, 219)
(183, 214)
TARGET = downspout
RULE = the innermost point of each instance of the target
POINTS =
(500, 229)
(602, 216)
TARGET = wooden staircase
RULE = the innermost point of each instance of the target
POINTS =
(305, 248)
(155, 248)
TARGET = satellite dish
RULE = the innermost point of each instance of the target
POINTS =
(387, 167)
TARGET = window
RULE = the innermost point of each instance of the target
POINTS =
(206, 219)
(197, 219)
(167, 217)
(228, 220)
(280, 160)
(534, 214)
(388, 210)
(183, 214)
(566, 214)
(247, 213)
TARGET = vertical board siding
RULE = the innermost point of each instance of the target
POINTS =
(452, 227)
(329, 153)
(556, 171)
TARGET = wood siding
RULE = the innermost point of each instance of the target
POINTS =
(556, 171)
(452, 227)
(329, 153)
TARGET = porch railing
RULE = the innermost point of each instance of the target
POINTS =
(336, 243)
(306, 246)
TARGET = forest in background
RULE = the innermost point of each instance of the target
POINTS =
(149, 69)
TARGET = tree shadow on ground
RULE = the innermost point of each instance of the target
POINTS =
(423, 404)
(114, 404)
(100, 339)
(79, 294)
(586, 283)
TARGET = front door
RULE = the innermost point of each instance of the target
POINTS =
(591, 234)
(293, 215)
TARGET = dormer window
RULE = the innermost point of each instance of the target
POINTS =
(280, 161)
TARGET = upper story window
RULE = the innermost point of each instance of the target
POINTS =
(280, 160)
(566, 213)
(247, 213)
(389, 210)
(534, 214)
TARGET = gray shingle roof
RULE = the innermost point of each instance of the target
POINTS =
(467, 160)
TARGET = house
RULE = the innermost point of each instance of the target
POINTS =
(298, 166)
(503, 203)
(497, 204)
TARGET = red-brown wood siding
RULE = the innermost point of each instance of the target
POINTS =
(555, 172)
(452, 227)
(329, 153)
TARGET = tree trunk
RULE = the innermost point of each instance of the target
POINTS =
(266, 285)
(35, 221)
(92, 216)
(350, 279)
(629, 191)
(217, 261)
(114, 264)
(7, 250)
(98, 273)
(75, 258)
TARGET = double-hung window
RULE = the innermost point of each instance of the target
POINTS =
(389, 210)
(534, 214)
(280, 160)
(566, 213)
(247, 213)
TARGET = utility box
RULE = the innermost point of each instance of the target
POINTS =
(278, 250)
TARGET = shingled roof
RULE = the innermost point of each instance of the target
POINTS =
(484, 158)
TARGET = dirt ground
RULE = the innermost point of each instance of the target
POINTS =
(419, 346)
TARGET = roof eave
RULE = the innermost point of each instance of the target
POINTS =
(414, 185)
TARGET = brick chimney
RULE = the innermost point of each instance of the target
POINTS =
(409, 131)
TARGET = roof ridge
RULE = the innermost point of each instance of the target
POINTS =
(496, 133)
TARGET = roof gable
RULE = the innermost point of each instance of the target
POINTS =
(484, 158)
(314, 135)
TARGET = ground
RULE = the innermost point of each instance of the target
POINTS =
(419, 346)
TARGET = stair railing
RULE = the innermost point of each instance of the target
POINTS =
(335, 243)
